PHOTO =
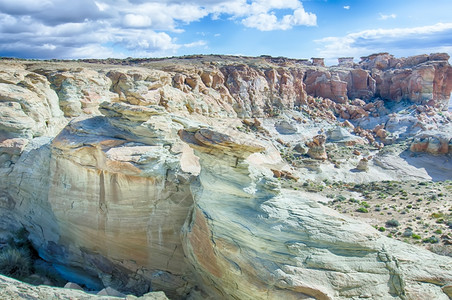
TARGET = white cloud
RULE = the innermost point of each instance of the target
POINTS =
(195, 44)
(385, 17)
(263, 22)
(300, 17)
(398, 41)
(132, 20)
(65, 29)
(102, 6)
(347, 7)
(267, 21)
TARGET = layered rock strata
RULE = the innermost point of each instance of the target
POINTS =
(248, 239)
(95, 165)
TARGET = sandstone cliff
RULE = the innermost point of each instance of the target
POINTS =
(97, 164)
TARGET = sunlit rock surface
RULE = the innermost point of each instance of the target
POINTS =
(248, 239)
(140, 177)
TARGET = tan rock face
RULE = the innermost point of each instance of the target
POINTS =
(418, 79)
(29, 107)
(271, 243)
(321, 83)
(105, 204)
(124, 200)
(435, 143)
(79, 90)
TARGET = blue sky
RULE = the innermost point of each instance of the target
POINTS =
(291, 28)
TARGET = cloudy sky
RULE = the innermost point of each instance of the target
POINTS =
(292, 28)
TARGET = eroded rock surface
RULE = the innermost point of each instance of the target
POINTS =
(13, 289)
(248, 239)
(98, 164)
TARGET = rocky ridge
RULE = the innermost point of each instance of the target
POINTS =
(164, 175)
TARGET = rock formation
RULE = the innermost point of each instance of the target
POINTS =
(247, 239)
(433, 142)
(13, 289)
(164, 175)
(317, 147)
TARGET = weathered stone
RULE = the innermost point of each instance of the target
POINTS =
(108, 291)
(308, 255)
(363, 164)
(73, 286)
(435, 143)
(14, 289)
(317, 147)
(107, 198)
(285, 127)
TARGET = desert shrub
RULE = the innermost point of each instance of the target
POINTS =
(353, 200)
(362, 210)
(15, 262)
(382, 229)
(407, 233)
(416, 236)
(392, 223)
(437, 215)
(340, 198)
(365, 204)
(432, 240)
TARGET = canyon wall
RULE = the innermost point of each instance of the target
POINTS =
(97, 164)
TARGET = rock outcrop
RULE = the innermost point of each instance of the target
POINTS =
(248, 239)
(14, 289)
(433, 142)
(113, 197)
(98, 164)
(418, 78)
(317, 147)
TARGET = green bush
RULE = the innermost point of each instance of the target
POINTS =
(416, 236)
(362, 210)
(340, 198)
(432, 240)
(365, 204)
(392, 223)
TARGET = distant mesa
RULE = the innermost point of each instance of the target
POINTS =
(316, 61)
(345, 61)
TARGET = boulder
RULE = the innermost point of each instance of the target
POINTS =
(108, 291)
(317, 147)
(285, 127)
(73, 286)
(363, 164)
